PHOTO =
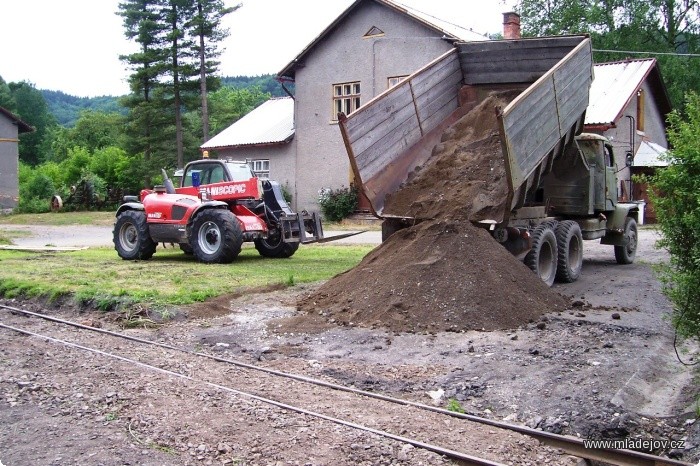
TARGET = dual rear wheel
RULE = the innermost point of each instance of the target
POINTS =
(557, 252)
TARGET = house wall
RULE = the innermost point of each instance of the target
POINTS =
(654, 131)
(281, 157)
(9, 163)
(345, 56)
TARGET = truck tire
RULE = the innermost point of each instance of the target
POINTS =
(542, 258)
(274, 247)
(216, 236)
(626, 254)
(569, 251)
(131, 237)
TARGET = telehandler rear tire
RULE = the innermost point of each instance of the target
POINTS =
(274, 247)
(131, 237)
(216, 236)
(569, 251)
(542, 258)
(626, 254)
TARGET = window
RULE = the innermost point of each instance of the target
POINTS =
(374, 31)
(346, 98)
(640, 110)
(261, 168)
(393, 81)
(240, 171)
(208, 173)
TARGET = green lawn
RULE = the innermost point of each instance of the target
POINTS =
(99, 277)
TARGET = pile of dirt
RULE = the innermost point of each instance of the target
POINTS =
(436, 276)
(443, 274)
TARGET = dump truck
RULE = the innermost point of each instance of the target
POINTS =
(562, 186)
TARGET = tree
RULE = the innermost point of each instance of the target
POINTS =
(93, 131)
(6, 100)
(205, 27)
(229, 105)
(31, 107)
(676, 201)
(143, 23)
(664, 29)
(176, 15)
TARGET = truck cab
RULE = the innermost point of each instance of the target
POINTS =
(583, 180)
(598, 153)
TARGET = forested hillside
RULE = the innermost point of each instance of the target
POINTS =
(66, 108)
(265, 82)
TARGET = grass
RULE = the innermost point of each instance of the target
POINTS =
(98, 278)
(454, 406)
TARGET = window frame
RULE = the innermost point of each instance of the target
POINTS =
(641, 104)
(347, 96)
(258, 168)
(398, 79)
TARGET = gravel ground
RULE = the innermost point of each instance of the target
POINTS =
(604, 368)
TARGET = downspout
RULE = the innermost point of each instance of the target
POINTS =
(281, 80)
(295, 140)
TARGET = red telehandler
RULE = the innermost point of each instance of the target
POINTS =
(219, 205)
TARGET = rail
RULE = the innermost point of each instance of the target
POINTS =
(568, 444)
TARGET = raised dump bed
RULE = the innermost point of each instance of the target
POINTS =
(391, 135)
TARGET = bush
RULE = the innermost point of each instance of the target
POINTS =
(336, 204)
(35, 191)
(678, 211)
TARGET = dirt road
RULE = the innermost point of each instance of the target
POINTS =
(95, 236)
(605, 368)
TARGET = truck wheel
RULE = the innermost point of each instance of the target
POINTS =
(626, 254)
(131, 237)
(542, 258)
(570, 251)
(186, 248)
(274, 247)
(216, 236)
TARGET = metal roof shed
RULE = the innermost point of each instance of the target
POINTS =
(270, 123)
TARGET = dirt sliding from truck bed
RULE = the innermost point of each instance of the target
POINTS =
(443, 274)
(465, 175)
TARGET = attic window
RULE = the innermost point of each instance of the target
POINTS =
(640, 110)
(373, 32)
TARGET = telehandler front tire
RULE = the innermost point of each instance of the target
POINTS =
(626, 254)
(569, 251)
(216, 236)
(274, 247)
(131, 237)
(542, 258)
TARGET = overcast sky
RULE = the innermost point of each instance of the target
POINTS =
(74, 45)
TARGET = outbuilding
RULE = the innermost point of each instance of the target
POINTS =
(11, 126)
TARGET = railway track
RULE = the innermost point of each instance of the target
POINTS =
(349, 407)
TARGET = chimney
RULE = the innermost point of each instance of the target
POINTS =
(511, 25)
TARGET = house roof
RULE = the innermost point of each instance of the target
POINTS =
(617, 83)
(270, 123)
(449, 31)
(21, 125)
(649, 155)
